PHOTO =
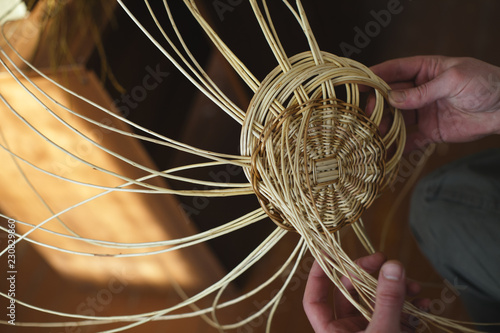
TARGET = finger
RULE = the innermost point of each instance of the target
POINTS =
(422, 303)
(422, 95)
(316, 305)
(370, 104)
(371, 263)
(413, 288)
(343, 307)
(402, 85)
(405, 69)
(409, 116)
(371, 98)
(389, 299)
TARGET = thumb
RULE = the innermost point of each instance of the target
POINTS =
(390, 297)
(422, 95)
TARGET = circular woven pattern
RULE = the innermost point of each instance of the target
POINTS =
(317, 161)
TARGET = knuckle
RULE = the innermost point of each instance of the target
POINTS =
(456, 74)
(389, 299)
(423, 90)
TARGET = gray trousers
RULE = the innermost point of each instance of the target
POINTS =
(455, 217)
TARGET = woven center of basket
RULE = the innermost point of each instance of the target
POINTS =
(320, 164)
(318, 159)
(325, 171)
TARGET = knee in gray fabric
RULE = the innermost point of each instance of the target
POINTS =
(467, 185)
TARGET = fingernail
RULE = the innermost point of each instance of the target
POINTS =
(397, 96)
(392, 271)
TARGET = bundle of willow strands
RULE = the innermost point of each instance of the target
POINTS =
(316, 154)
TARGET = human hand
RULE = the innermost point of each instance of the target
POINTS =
(391, 291)
(451, 99)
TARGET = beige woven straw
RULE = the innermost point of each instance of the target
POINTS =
(316, 159)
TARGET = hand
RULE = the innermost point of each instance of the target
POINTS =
(391, 291)
(451, 99)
